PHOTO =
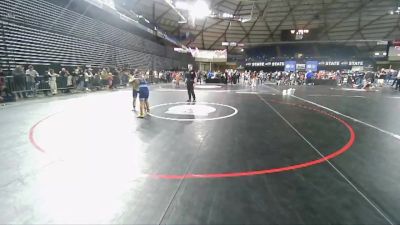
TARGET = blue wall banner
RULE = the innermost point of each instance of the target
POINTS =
(290, 66)
(312, 65)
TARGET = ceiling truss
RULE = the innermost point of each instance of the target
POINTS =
(335, 20)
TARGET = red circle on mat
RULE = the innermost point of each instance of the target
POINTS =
(338, 152)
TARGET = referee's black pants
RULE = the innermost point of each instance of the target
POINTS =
(190, 89)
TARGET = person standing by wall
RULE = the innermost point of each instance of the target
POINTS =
(79, 77)
(190, 78)
(53, 81)
(177, 79)
(31, 76)
(254, 79)
(2, 77)
(64, 80)
(104, 75)
(6, 95)
(89, 79)
(116, 78)
(398, 80)
(19, 81)
(110, 80)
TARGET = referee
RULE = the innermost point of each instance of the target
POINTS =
(190, 78)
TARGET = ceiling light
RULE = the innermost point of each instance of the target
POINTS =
(109, 3)
(292, 31)
(245, 19)
(182, 5)
(227, 15)
(376, 53)
(200, 9)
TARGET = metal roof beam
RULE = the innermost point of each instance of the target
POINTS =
(163, 14)
(360, 28)
(361, 6)
(291, 9)
(204, 30)
(323, 12)
(291, 15)
(227, 27)
(393, 30)
(254, 23)
(266, 23)
(202, 34)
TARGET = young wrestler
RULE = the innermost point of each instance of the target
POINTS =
(143, 97)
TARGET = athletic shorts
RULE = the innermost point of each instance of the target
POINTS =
(134, 93)
(143, 93)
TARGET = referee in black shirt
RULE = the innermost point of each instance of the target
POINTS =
(190, 78)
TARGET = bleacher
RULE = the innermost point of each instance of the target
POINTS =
(38, 32)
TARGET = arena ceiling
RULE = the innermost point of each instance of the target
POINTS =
(349, 21)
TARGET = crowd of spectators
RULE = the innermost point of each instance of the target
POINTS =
(354, 79)
(348, 78)
(27, 83)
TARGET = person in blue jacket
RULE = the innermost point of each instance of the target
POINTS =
(309, 77)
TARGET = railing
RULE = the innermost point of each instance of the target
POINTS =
(41, 84)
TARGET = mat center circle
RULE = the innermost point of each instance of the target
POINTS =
(201, 111)
(208, 86)
(196, 110)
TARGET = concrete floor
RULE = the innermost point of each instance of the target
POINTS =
(237, 156)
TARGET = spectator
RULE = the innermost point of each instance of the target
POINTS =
(89, 79)
(168, 77)
(398, 80)
(152, 77)
(125, 77)
(79, 76)
(177, 79)
(116, 79)
(2, 79)
(309, 77)
(104, 76)
(19, 81)
(6, 95)
(53, 81)
(110, 80)
(70, 81)
(253, 79)
(31, 79)
(64, 74)
(97, 80)
(160, 76)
